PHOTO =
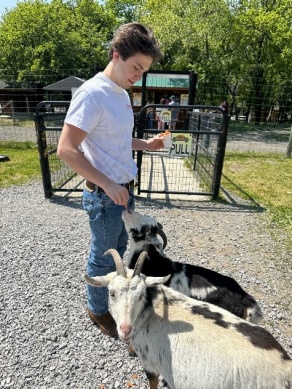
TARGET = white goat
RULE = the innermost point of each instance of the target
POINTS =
(194, 281)
(192, 344)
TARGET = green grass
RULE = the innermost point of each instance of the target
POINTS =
(23, 166)
(17, 122)
(265, 178)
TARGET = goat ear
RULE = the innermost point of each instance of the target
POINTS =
(99, 281)
(152, 281)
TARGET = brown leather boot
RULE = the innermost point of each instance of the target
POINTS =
(105, 323)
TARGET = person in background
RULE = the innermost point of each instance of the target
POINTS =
(224, 106)
(150, 114)
(160, 122)
(100, 119)
(174, 113)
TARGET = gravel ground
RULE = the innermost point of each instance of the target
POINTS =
(46, 339)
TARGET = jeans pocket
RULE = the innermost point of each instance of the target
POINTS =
(88, 201)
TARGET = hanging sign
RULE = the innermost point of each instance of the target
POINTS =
(181, 145)
(165, 115)
(137, 99)
(184, 99)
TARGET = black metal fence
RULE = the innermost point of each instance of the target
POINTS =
(56, 175)
(192, 166)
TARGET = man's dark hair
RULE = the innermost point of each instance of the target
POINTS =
(133, 38)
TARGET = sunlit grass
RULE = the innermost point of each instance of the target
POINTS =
(23, 166)
(9, 122)
(264, 177)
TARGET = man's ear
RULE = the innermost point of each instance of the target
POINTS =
(116, 56)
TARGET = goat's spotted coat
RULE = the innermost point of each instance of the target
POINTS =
(191, 343)
(194, 281)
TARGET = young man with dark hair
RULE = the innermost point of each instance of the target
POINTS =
(100, 119)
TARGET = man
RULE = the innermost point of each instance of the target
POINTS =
(100, 119)
(174, 113)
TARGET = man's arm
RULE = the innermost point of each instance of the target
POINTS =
(154, 143)
(69, 152)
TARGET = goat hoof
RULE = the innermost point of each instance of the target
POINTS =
(131, 351)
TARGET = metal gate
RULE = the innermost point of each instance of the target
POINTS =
(192, 166)
(56, 175)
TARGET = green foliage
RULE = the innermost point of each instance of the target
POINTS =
(241, 50)
(246, 44)
(123, 10)
(37, 36)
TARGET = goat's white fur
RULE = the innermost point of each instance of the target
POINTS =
(192, 344)
(135, 220)
(141, 232)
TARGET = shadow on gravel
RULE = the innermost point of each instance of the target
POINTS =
(230, 203)
(250, 204)
(67, 201)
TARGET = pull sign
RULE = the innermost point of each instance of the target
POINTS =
(166, 116)
(181, 145)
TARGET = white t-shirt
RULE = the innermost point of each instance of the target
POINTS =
(103, 110)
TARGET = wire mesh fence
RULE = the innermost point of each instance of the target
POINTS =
(56, 174)
(261, 125)
(242, 137)
(246, 137)
(193, 163)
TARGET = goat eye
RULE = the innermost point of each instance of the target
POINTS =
(112, 293)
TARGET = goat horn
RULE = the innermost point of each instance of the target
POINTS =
(139, 263)
(162, 234)
(118, 262)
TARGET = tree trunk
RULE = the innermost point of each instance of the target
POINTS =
(289, 147)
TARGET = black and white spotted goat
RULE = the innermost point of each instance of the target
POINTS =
(192, 344)
(194, 281)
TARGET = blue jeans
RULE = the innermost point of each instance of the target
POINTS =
(107, 232)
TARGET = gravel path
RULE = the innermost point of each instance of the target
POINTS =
(46, 339)
(264, 141)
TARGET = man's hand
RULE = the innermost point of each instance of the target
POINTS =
(118, 193)
(155, 143)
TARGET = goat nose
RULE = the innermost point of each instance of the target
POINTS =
(126, 329)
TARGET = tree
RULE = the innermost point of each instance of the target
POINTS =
(38, 37)
(289, 147)
(193, 37)
(236, 45)
(259, 39)
(124, 11)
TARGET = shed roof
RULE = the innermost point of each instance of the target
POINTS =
(165, 81)
(3, 84)
(66, 84)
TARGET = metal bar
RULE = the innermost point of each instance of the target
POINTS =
(220, 156)
(43, 154)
